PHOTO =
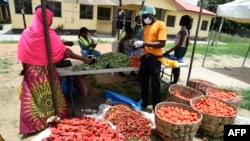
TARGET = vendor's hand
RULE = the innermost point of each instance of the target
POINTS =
(138, 44)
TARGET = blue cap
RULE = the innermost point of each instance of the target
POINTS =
(148, 9)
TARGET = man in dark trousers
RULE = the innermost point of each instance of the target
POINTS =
(154, 39)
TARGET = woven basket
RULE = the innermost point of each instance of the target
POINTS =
(176, 131)
(200, 85)
(184, 91)
(236, 101)
(166, 138)
(211, 124)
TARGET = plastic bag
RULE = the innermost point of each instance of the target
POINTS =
(82, 84)
(242, 120)
(117, 98)
(173, 57)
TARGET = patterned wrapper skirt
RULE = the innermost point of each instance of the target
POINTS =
(37, 101)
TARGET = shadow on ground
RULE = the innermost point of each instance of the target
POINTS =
(240, 73)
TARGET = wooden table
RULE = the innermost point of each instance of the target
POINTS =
(68, 72)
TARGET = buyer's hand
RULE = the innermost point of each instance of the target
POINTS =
(138, 44)
(166, 53)
(87, 60)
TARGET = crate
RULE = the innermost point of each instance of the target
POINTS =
(201, 85)
(186, 94)
(211, 124)
(179, 132)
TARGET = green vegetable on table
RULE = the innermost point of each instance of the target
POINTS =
(106, 60)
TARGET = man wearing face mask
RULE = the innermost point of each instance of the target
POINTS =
(154, 39)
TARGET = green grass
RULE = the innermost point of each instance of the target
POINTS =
(75, 42)
(234, 49)
(245, 96)
(231, 45)
(8, 42)
(5, 64)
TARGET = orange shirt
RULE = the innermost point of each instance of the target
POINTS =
(155, 32)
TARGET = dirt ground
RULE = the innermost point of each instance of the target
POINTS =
(224, 71)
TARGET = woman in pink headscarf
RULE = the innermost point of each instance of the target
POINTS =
(36, 98)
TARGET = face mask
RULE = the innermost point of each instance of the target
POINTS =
(147, 20)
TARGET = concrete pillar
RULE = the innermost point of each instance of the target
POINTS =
(162, 14)
(1, 13)
(114, 23)
(7, 14)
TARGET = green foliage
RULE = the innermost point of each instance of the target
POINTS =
(211, 5)
(59, 28)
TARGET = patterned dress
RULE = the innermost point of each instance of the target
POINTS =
(36, 100)
(36, 96)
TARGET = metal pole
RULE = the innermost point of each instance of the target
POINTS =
(51, 66)
(246, 56)
(209, 41)
(195, 40)
(142, 4)
(219, 32)
(23, 14)
(119, 18)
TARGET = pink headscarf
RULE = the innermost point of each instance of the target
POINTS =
(32, 45)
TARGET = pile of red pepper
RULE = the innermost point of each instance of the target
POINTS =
(129, 122)
(83, 129)
(134, 61)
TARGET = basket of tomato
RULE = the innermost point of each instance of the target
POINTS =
(201, 85)
(216, 114)
(176, 121)
(182, 94)
(226, 95)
